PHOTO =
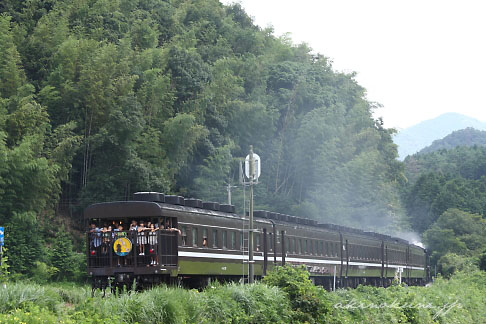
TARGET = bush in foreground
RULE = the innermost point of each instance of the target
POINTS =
(309, 303)
(285, 296)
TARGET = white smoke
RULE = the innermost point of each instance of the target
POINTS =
(412, 237)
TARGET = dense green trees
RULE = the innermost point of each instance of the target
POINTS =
(453, 237)
(100, 99)
(445, 179)
(464, 137)
(445, 199)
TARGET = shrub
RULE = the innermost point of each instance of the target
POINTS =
(482, 261)
(43, 272)
(309, 303)
(31, 314)
(4, 268)
(449, 263)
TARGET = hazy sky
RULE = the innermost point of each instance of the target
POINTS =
(419, 59)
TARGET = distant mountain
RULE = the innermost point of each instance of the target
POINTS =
(415, 138)
(463, 137)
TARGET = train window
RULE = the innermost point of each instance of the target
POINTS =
(257, 242)
(215, 238)
(233, 241)
(322, 248)
(270, 241)
(223, 239)
(242, 246)
(311, 247)
(205, 237)
(299, 247)
(316, 247)
(184, 235)
(290, 248)
(194, 236)
(304, 247)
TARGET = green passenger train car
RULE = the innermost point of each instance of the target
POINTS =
(192, 242)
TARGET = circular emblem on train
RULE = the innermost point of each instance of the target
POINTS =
(122, 246)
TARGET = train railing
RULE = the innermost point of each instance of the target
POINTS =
(132, 249)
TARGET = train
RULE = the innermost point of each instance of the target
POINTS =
(193, 242)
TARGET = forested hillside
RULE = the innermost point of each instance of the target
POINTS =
(413, 139)
(446, 202)
(100, 99)
(464, 137)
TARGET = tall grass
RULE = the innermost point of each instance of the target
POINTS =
(233, 303)
(18, 294)
(238, 304)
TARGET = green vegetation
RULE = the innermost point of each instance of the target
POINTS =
(464, 137)
(285, 296)
(445, 200)
(100, 99)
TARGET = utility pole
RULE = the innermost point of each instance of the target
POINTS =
(251, 270)
(2, 235)
(252, 172)
(228, 189)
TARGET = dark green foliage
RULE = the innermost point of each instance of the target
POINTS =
(445, 199)
(309, 303)
(4, 272)
(461, 161)
(99, 99)
(482, 261)
(450, 263)
(434, 193)
(24, 243)
(62, 257)
(453, 237)
(197, 78)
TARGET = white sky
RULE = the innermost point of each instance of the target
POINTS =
(419, 59)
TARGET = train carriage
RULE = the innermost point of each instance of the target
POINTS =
(205, 240)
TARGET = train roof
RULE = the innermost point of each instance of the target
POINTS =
(153, 204)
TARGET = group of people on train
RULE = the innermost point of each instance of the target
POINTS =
(145, 233)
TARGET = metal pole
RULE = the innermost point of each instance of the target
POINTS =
(229, 193)
(251, 270)
(244, 222)
(334, 282)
